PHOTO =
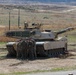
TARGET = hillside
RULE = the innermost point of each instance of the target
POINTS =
(33, 1)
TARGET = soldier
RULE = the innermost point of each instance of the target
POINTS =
(11, 52)
(25, 25)
(32, 49)
(22, 52)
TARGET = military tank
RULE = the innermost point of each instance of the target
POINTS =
(43, 43)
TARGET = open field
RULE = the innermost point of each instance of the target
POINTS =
(56, 19)
(63, 16)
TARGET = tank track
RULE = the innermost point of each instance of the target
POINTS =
(50, 53)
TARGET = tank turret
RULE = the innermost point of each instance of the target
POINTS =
(37, 34)
(48, 34)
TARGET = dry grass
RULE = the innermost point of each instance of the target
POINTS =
(3, 38)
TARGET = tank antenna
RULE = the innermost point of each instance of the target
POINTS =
(9, 20)
(19, 18)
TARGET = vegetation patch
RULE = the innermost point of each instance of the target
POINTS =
(37, 71)
(52, 70)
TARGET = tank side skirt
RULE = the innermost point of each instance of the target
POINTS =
(50, 52)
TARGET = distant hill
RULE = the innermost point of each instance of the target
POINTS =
(53, 0)
(32, 1)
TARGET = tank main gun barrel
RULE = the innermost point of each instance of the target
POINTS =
(64, 30)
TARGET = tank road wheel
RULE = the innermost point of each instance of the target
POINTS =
(55, 52)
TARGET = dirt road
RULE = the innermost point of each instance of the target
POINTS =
(15, 65)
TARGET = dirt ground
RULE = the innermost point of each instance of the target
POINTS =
(14, 65)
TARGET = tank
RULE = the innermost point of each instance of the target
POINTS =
(34, 43)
